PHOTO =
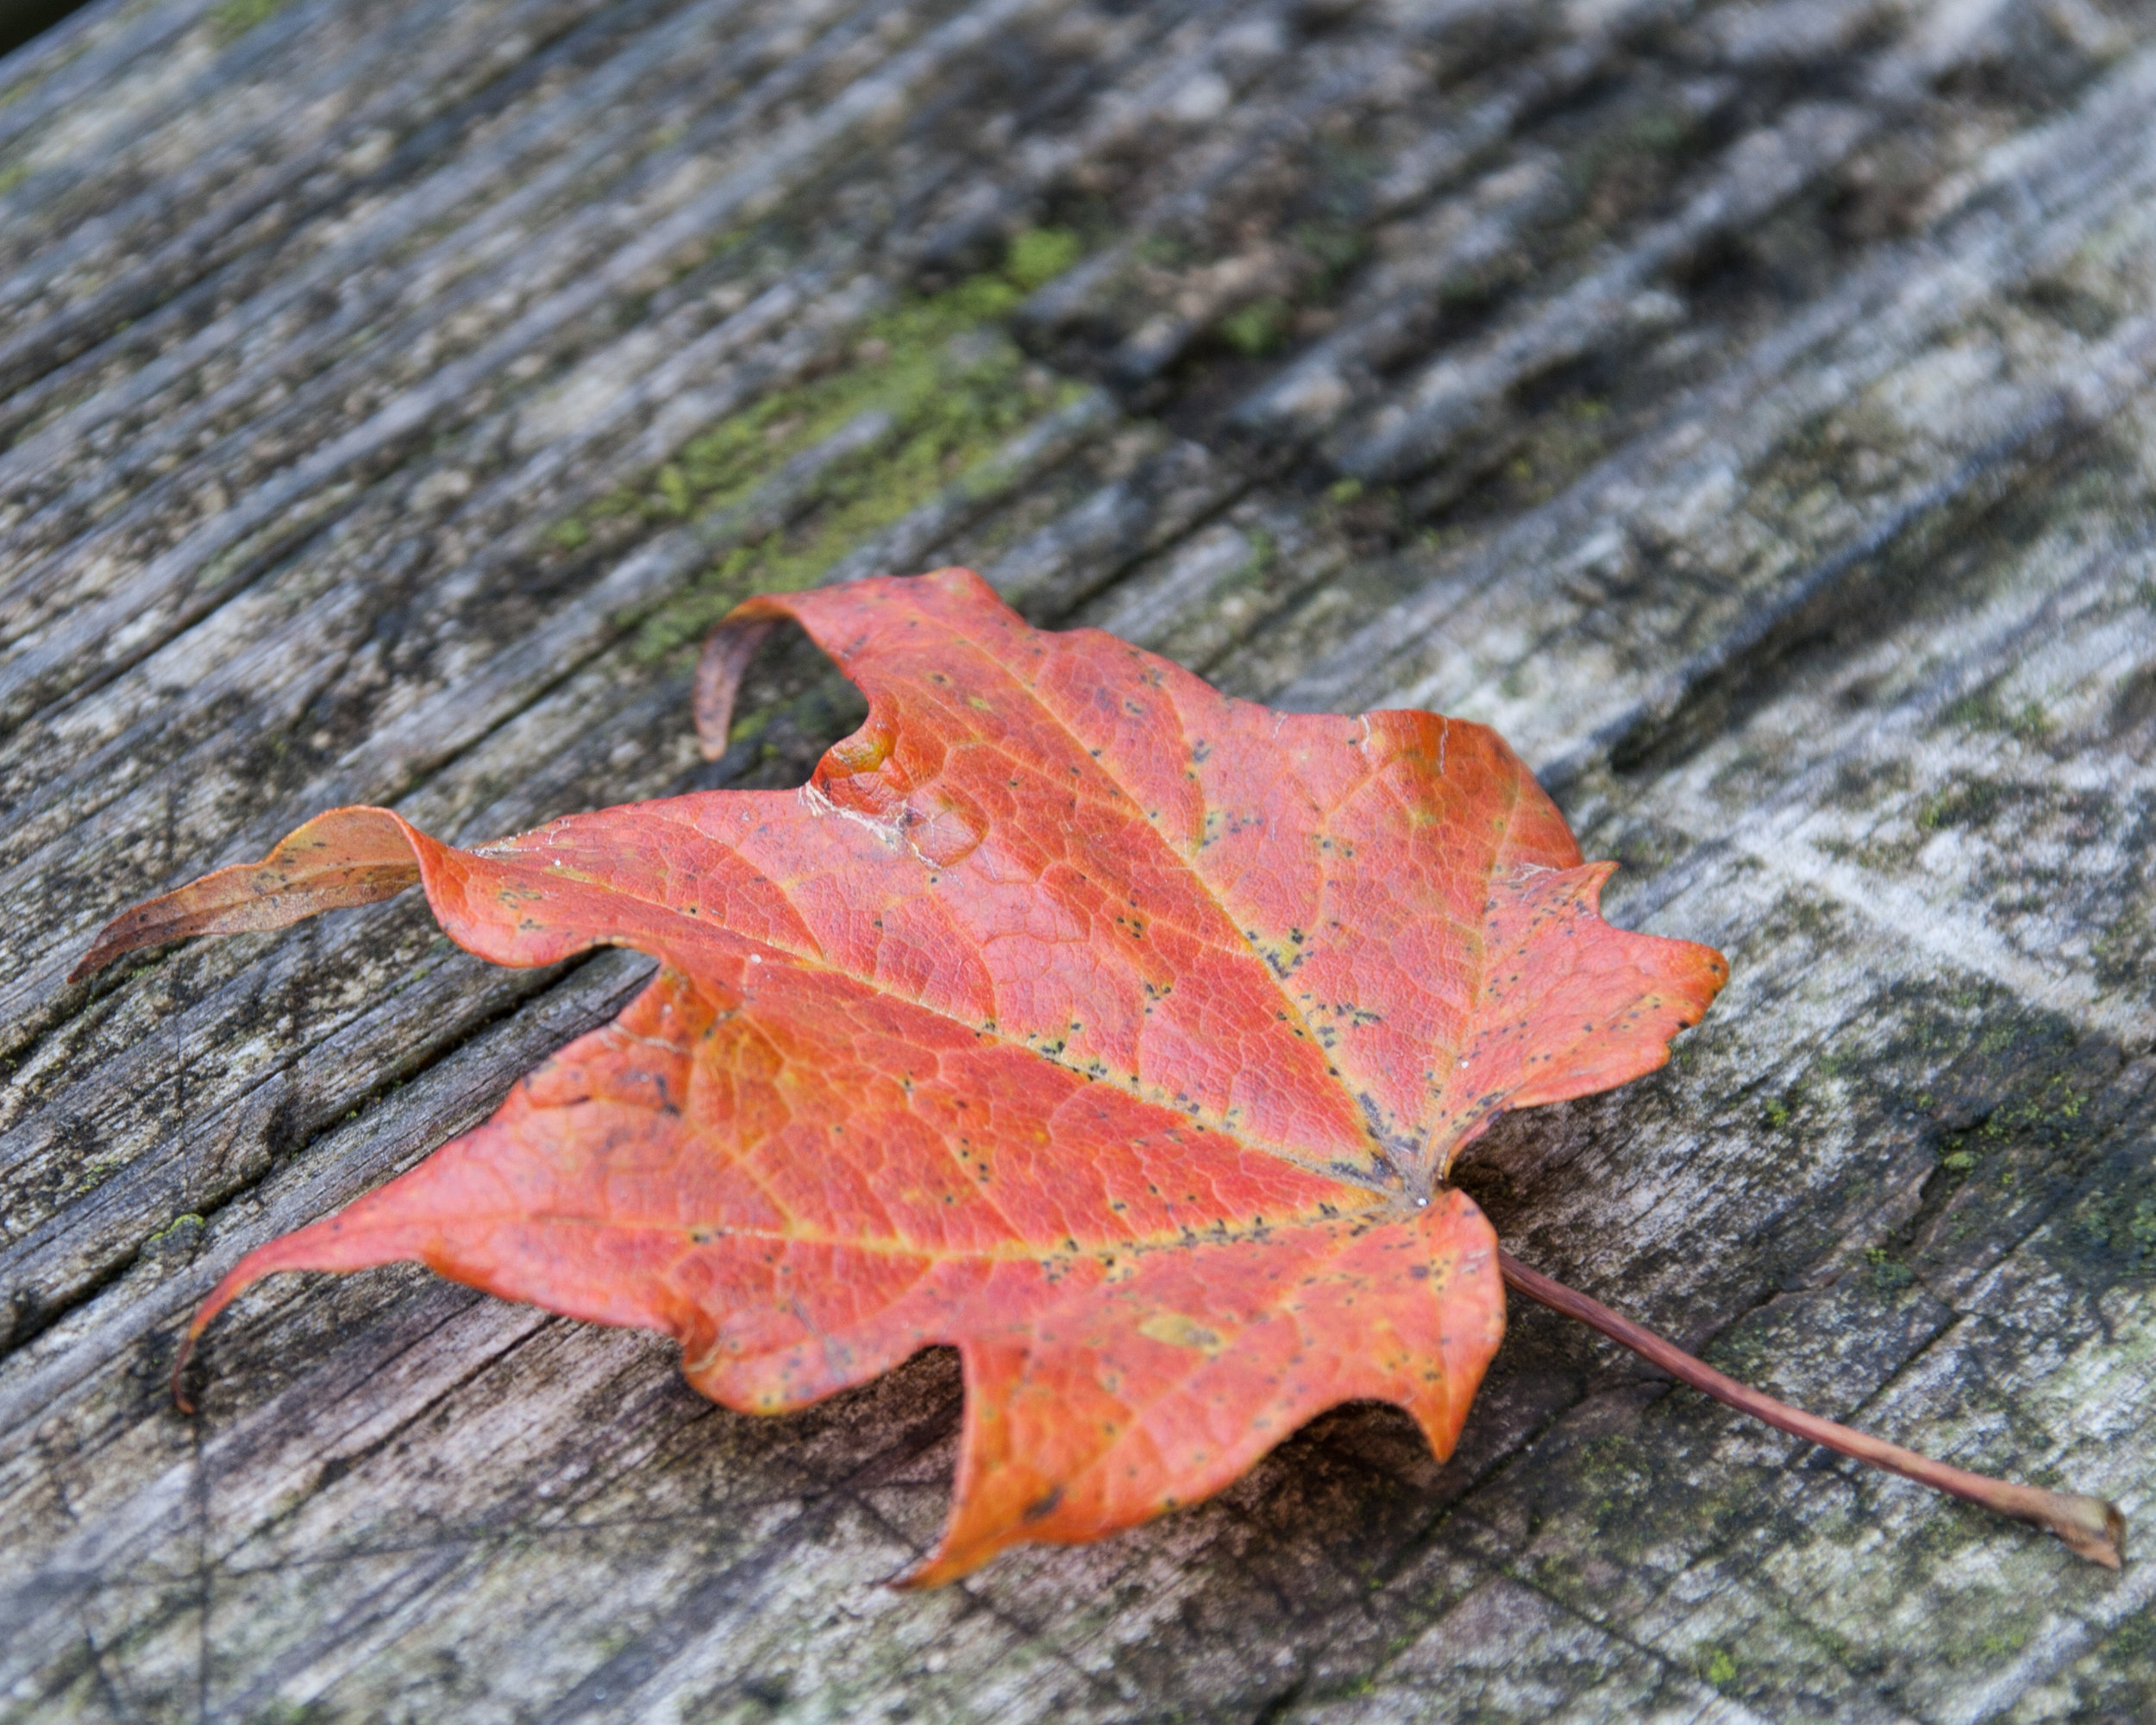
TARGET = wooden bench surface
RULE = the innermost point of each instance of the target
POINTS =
(1744, 406)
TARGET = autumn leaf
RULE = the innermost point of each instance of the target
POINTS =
(1117, 1033)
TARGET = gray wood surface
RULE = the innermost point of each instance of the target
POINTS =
(1744, 406)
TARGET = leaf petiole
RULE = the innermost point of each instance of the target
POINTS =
(2089, 1527)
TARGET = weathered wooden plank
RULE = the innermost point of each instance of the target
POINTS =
(1743, 405)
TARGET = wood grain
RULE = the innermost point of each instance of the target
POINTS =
(1744, 406)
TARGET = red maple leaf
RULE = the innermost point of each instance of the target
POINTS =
(1117, 1033)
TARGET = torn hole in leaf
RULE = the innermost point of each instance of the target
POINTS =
(768, 702)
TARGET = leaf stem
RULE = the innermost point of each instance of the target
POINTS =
(2089, 1526)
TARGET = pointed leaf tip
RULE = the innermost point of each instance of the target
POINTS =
(348, 856)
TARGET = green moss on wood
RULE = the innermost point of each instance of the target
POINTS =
(229, 20)
(955, 387)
